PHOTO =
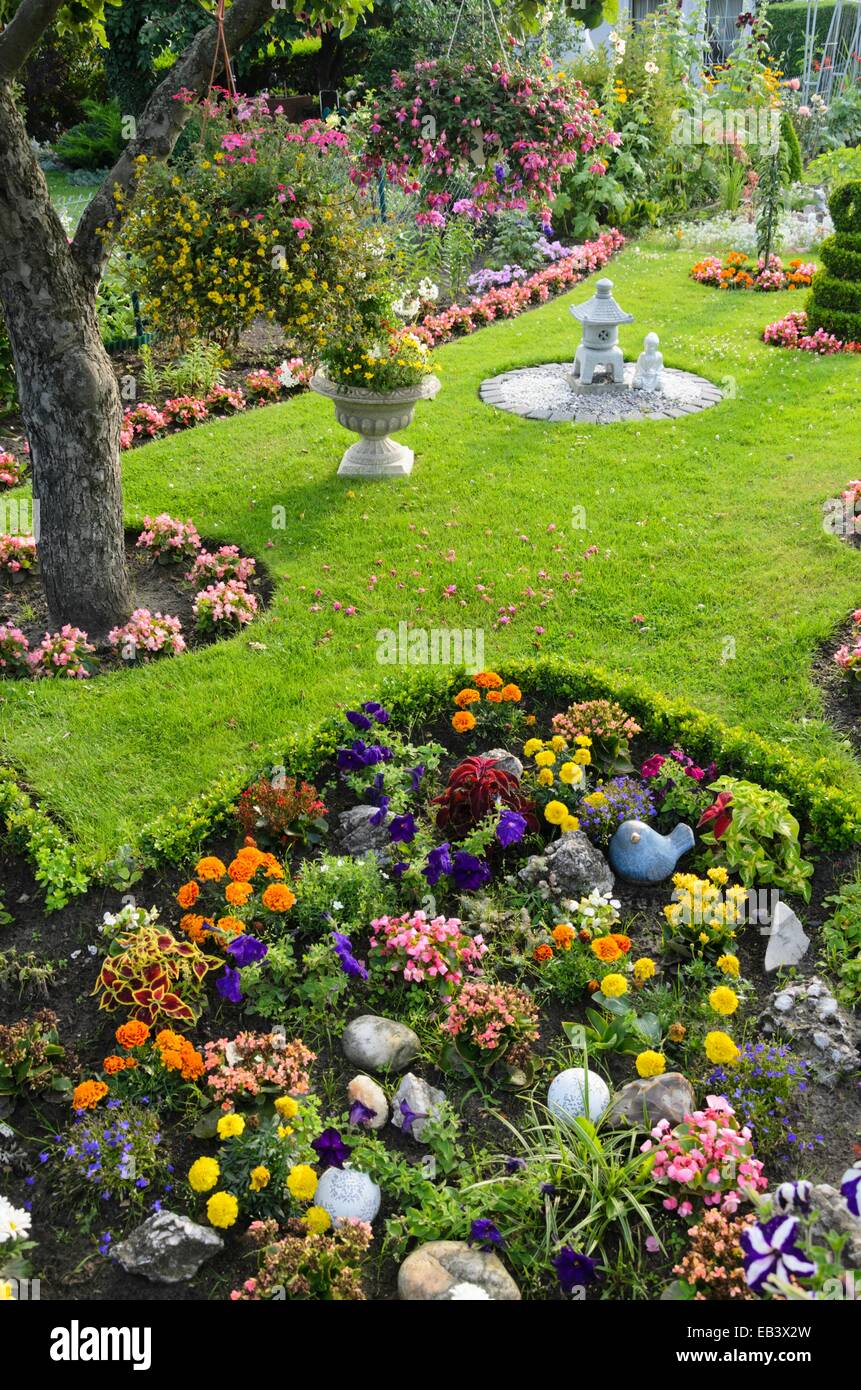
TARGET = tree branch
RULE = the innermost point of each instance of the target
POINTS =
(23, 33)
(158, 130)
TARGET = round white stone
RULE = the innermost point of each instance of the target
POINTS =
(343, 1192)
(566, 1097)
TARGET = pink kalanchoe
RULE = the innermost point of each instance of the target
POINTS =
(147, 634)
(224, 607)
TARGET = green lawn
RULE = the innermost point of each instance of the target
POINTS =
(710, 527)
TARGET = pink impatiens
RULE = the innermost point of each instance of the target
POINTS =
(422, 948)
(708, 1156)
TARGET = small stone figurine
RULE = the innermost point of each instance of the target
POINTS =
(650, 365)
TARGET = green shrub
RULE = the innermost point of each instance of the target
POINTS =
(8, 384)
(95, 143)
(791, 148)
(833, 167)
(841, 941)
(835, 295)
(838, 293)
(841, 261)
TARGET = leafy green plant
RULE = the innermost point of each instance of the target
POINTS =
(841, 940)
(56, 864)
(95, 143)
(26, 973)
(618, 1029)
(29, 1053)
(834, 167)
(760, 843)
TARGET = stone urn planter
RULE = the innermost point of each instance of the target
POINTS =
(375, 415)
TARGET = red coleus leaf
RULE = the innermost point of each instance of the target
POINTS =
(718, 816)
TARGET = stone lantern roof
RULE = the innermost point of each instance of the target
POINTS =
(602, 307)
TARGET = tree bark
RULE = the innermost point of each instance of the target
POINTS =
(69, 398)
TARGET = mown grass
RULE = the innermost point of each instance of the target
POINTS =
(709, 527)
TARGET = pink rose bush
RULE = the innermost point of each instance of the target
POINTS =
(17, 553)
(169, 540)
(62, 654)
(421, 949)
(709, 1157)
(225, 563)
(224, 607)
(848, 657)
(146, 634)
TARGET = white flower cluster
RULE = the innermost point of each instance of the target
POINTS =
(14, 1222)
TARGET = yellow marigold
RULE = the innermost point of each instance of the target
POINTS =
(210, 867)
(583, 741)
(463, 721)
(644, 969)
(570, 823)
(203, 1174)
(555, 812)
(545, 777)
(317, 1219)
(302, 1182)
(488, 680)
(259, 1178)
(278, 897)
(612, 986)
(557, 743)
(595, 799)
(570, 773)
(729, 965)
(532, 745)
(466, 697)
(583, 756)
(720, 1048)
(237, 894)
(563, 935)
(230, 1126)
(723, 1000)
(511, 692)
(545, 758)
(651, 1063)
(188, 894)
(132, 1034)
(606, 949)
(222, 1209)
(287, 1107)
(88, 1094)
(284, 1131)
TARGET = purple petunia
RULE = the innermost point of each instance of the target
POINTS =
(358, 721)
(793, 1196)
(361, 1114)
(361, 754)
(247, 950)
(228, 986)
(376, 711)
(438, 863)
(409, 1116)
(485, 1234)
(379, 816)
(510, 828)
(344, 951)
(469, 872)
(330, 1149)
(416, 775)
(403, 829)
(850, 1186)
(769, 1249)
(573, 1270)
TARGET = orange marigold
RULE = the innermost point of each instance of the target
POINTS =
(192, 1065)
(113, 1064)
(606, 948)
(563, 935)
(132, 1034)
(622, 941)
(192, 925)
(542, 952)
(237, 894)
(511, 692)
(245, 865)
(463, 721)
(171, 1060)
(188, 894)
(88, 1094)
(278, 898)
(167, 1038)
(494, 697)
(488, 680)
(209, 867)
(273, 867)
(231, 926)
(467, 696)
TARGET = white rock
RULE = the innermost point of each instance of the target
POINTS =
(787, 942)
(822, 1041)
(783, 1003)
(422, 1099)
(367, 1091)
(566, 1097)
(343, 1192)
(380, 1044)
(828, 1007)
(460, 1293)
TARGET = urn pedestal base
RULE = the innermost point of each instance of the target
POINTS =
(377, 458)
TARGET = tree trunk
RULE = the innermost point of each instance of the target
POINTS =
(69, 398)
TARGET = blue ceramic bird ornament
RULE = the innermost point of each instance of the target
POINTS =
(640, 854)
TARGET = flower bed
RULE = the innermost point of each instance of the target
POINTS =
(738, 271)
(220, 1049)
(791, 331)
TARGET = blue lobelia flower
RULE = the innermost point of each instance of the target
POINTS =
(769, 1248)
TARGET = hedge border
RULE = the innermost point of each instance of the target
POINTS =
(830, 816)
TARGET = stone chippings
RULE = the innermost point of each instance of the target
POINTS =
(548, 393)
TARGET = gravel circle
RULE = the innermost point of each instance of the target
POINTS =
(549, 393)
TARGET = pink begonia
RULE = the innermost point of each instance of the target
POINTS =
(709, 1156)
(791, 331)
(223, 398)
(419, 948)
(147, 632)
(143, 420)
(224, 563)
(62, 654)
(224, 606)
(168, 538)
(848, 658)
(14, 651)
(186, 410)
(17, 553)
(11, 469)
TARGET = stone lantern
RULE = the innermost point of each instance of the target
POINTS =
(600, 317)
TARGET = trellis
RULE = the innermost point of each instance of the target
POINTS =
(828, 74)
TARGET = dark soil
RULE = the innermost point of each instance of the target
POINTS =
(160, 588)
(841, 694)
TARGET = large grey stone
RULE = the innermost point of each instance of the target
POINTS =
(668, 1097)
(806, 1015)
(167, 1248)
(835, 1216)
(787, 942)
(379, 1044)
(436, 1272)
(570, 867)
(421, 1098)
(356, 835)
(507, 761)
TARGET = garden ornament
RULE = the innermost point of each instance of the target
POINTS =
(641, 855)
(600, 317)
(650, 365)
